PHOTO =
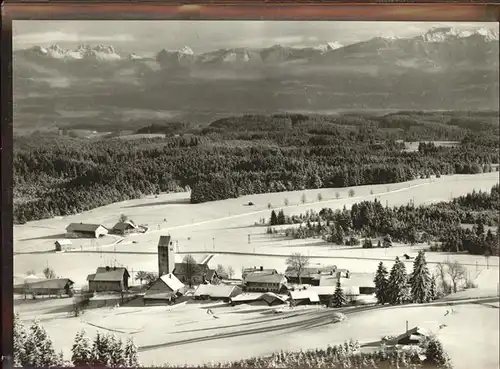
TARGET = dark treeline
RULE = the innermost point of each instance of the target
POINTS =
(443, 223)
(57, 175)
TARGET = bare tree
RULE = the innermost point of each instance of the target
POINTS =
(298, 262)
(351, 192)
(287, 202)
(230, 272)
(190, 268)
(337, 195)
(220, 270)
(303, 198)
(457, 273)
(141, 276)
(49, 273)
(320, 197)
(123, 218)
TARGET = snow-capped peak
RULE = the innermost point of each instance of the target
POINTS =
(186, 50)
(329, 46)
(441, 34)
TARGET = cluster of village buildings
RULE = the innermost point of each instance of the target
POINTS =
(180, 281)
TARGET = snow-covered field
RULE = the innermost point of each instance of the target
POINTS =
(226, 229)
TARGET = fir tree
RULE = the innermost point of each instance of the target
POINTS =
(397, 284)
(432, 289)
(117, 354)
(281, 217)
(18, 342)
(338, 298)
(81, 350)
(101, 350)
(39, 348)
(387, 241)
(274, 218)
(131, 360)
(435, 354)
(420, 279)
(381, 284)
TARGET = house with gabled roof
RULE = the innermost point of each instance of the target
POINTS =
(195, 273)
(165, 290)
(123, 228)
(262, 281)
(109, 279)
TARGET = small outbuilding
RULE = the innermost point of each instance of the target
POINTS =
(62, 245)
(87, 230)
(413, 336)
(109, 279)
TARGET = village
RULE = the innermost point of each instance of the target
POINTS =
(177, 282)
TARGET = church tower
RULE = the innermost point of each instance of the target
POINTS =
(166, 256)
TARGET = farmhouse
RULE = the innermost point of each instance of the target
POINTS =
(216, 292)
(62, 245)
(195, 274)
(310, 275)
(265, 282)
(164, 290)
(109, 279)
(50, 287)
(123, 228)
(304, 296)
(87, 230)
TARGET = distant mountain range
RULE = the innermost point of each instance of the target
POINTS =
(441, 69)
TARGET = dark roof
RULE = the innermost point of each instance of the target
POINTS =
(263, 277)
(82, 227)
(199, 269)
(51, 284)
(113, 274)
(122, 226)
(63, 242)
(164, 241)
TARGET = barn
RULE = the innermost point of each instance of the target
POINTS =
(216, 292)
(109, 279)
(87, 230)
(165, 290)
(48, 287)
(62, 245)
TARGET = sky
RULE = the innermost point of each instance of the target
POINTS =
(203, 36)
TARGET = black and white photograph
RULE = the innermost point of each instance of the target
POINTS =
(257, 194)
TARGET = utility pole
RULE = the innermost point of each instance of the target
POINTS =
(249, 239)
(213, 243)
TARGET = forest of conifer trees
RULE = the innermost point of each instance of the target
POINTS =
(439, 223)
(59, 175)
